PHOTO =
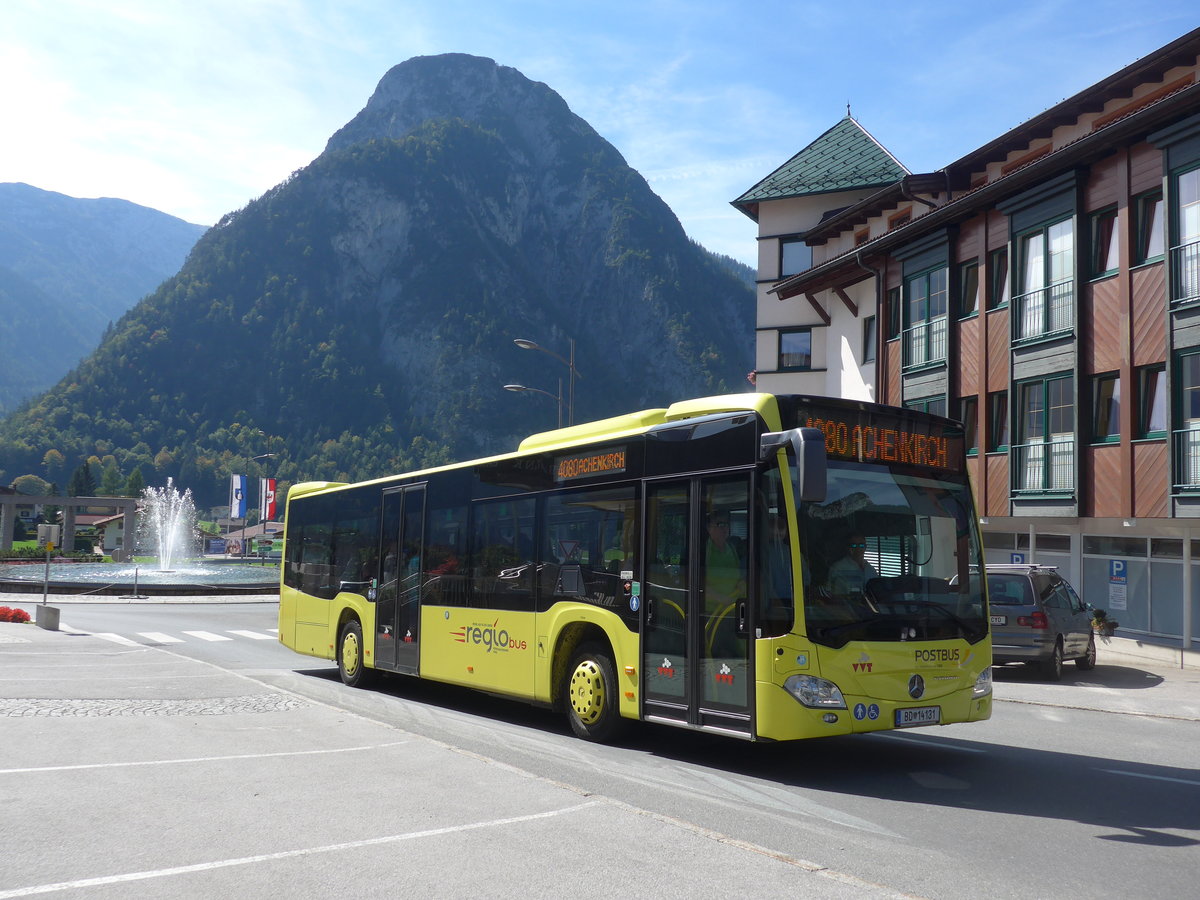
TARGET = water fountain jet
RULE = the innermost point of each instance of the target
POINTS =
(166, 527)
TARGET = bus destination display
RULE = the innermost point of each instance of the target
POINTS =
(893, 441)
(585, 465)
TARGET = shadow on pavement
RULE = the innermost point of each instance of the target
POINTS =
(1126, 678)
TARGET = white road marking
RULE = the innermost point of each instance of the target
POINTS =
(208, 636)
(197, 759)
(254, 635)
(115, 638)
(160, 638)
(286, 854)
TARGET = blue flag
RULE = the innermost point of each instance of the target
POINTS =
(237, 496)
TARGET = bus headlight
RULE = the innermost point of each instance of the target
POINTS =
(816, 693)
(983, 684)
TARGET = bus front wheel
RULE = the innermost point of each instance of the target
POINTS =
(593, 704)
(351, 664)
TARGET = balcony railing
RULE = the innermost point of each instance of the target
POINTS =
(1185, 273)
(1045, 312)
(1187, 459)
(925, 343)
(1044, 466)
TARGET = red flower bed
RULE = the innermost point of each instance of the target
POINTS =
(13, 615)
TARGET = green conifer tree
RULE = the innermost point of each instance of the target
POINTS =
(81, 484)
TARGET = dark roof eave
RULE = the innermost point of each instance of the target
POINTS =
(1140, 121)
(841, 189)
(876, 203)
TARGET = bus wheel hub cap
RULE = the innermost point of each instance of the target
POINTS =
(587, 691)
(350, 653)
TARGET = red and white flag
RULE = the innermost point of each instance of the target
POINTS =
(266, 499)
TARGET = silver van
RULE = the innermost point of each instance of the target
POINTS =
(1038, 619)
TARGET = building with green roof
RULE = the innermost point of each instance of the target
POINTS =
(840, 168)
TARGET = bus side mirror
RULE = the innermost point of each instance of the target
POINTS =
(808, 448)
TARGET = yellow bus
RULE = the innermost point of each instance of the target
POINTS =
(766, 567)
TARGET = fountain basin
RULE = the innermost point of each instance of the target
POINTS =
(187, 578)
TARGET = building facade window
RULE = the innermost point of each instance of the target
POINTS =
(1152, 402)
(925, 318)
(1185, 254)
(1106, 408)
(933, 405)
(968, 413)
(1106, 241)
(1150, 239)
(1044, 454)
(1187, 435)
(998, 278)
(795, 256)
(795, 350)
(968, 289)
(1045, 306)
(868, 339)
(893, 314)
(997, 436)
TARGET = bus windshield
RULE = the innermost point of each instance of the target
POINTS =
(887, 557)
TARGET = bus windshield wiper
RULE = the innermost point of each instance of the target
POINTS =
(962, 623)
(829, 630)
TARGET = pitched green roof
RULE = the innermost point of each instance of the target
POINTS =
(844, 158)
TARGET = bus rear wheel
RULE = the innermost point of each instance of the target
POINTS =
(593, 704)
(351, 663)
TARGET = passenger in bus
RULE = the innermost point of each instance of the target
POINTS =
(724, 582)
(848, 576)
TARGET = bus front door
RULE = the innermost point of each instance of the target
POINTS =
(398, 597)
(695, 640)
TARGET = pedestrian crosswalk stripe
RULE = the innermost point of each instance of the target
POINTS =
(160, 638)
(116, 639)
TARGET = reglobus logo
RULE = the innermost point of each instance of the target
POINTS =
(490, 636)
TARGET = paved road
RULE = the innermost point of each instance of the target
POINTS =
(156, 768)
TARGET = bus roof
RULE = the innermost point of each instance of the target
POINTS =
(615, 428)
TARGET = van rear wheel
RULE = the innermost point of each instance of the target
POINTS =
(1052, 668)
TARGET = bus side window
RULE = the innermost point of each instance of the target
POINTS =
(590, 537)
(502, 554)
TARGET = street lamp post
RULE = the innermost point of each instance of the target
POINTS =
(520, 388)
(569, 363)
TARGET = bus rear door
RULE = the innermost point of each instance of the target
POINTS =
(398, 598)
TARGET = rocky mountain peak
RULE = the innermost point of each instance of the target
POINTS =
(527, 114)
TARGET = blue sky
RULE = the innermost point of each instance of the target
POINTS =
(196, 108)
